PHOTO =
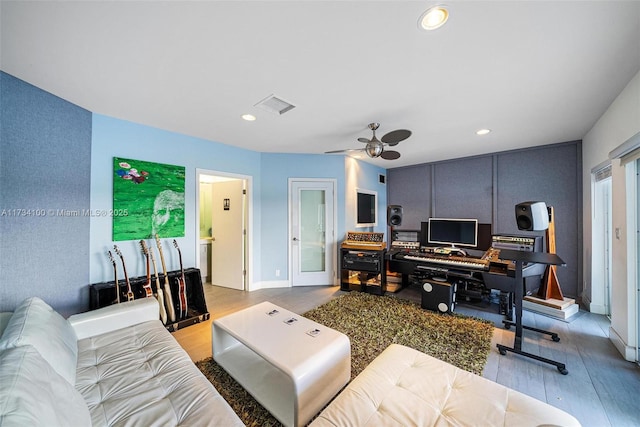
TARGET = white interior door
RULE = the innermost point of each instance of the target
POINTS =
(312, 207)
(228, 232)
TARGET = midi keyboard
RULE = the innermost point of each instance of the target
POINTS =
(449, 261)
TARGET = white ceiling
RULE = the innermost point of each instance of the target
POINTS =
(534, 72)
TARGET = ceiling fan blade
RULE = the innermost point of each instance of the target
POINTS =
(365, 140)
(348, 150)
(395, 136)
(390, 155)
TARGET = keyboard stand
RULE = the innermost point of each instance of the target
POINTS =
(520, 257)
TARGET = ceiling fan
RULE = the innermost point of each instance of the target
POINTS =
(376, 147)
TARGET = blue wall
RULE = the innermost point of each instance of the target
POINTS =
(119, 138)
(55, 155)
(276, 171)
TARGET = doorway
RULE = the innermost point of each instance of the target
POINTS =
(222, 224)
(312, 240)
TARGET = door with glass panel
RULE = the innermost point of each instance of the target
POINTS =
(312, 235)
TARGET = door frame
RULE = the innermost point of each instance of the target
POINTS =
(331, 235)
(601, 239)
(248, 281)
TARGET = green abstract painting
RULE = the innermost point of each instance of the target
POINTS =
(148, 199)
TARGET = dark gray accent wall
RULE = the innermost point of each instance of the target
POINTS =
(463, 189)
(45, 174)
(488, 188)
(412, 187)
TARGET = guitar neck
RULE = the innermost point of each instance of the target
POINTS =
(181, 269)
(164, 266)
(115, 276)
(126, 276)
(130, 296)
(147, 286)
(171, 313)
(182, 285)
(155, 268)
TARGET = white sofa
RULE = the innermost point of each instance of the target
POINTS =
(115, 366)
(404, 387)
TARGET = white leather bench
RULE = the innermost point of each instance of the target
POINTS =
(405, 387)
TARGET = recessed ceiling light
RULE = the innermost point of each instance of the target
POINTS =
(249, 117)
(434, 17)
(483, 131)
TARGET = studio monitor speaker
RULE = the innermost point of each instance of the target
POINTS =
(394, 215)
(532, 216)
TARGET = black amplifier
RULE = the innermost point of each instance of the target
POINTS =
(362, 261)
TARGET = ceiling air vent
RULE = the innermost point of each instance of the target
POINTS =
(273, 104)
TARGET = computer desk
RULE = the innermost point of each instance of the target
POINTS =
(520, 257)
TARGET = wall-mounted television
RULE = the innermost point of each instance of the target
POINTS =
(366, 208)
(453, 232)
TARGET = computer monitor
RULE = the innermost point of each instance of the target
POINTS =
(453, 232)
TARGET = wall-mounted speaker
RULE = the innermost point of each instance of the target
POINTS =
(532, 216)
(394, 215)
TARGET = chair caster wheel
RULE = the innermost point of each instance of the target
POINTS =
(555, 338)
(502, 352)
(563, 371)
(507, 326)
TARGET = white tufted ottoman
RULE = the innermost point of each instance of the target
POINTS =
(404, 387)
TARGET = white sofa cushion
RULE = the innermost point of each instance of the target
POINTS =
(35, 323)
(141, 376)
(405, 387)
(33, 394)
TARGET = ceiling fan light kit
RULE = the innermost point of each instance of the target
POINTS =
(374, 149)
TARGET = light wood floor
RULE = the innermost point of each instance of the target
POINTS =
(601, 389)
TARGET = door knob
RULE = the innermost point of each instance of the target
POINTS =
(295, 239)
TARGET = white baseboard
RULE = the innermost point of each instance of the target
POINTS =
(628, 352)
(270, 284)
(597, 308)
(273, 284)
(591, 307)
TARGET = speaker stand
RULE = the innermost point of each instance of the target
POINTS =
(550, 286)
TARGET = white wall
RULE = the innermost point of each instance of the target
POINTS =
(620, 122)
